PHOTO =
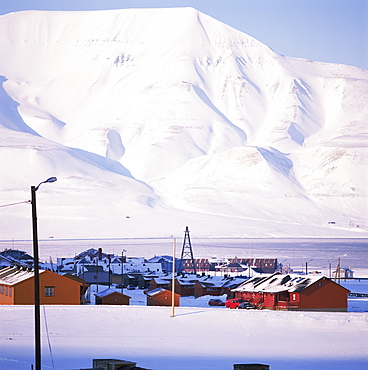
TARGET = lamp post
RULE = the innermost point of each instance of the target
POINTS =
(173, 282)
(306, 266)
(338, 269)
(37, 318)
(122, 270)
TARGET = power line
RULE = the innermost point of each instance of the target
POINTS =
(48, 338)
(14, 204)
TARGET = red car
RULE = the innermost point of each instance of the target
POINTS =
(216, 302)
(234, 303)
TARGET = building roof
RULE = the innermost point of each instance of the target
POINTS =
(108, 291)
(76, 278)
(15, 275)
(277, 283)
(156, 291)
(6, 259)
(94, 268)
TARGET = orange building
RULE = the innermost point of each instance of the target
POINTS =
(17, 287)
(162, 297)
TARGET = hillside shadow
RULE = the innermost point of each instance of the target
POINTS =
(9, 115)
(103, 162)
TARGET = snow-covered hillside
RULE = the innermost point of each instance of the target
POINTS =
(154, 119)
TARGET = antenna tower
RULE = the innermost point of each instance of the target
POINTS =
(187, 255)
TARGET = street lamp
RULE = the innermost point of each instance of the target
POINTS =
(122, 270)
(306, 266)
(338, 269)
(37, 275)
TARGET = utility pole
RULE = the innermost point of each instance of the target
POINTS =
(173, 282)
(122, 270)
(36, 267)
(97, 274)
(109, 257)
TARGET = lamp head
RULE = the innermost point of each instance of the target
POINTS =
(50, 179)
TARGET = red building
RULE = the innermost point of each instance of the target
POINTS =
(111, 296)
(264, 265)
(294, 292)
(162, 297)
(197, 285)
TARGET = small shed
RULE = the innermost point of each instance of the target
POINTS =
(162, 297)
(111, 296)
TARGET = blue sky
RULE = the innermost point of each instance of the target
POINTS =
(333, 31)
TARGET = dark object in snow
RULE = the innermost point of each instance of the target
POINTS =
(285, 279)
(112, 364)
(251, 367)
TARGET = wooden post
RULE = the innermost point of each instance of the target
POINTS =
(173, 282)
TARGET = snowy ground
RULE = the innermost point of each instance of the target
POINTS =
(198, 337)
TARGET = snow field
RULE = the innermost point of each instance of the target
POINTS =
(198, 338)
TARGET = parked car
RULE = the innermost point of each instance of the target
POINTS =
(234, 303)
(246, 306)
(216, 302)
(131, 287)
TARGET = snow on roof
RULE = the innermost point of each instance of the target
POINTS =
(155, 291)
(14, 275)
(233, 283)
(107, 292)
(161, 259)
(7, 259)
(278, 283)
(161, 280)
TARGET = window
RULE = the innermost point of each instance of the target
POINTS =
(1, 289)
(49, 291)
(294, 297)
(6, 290)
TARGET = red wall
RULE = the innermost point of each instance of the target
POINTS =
(329, 296)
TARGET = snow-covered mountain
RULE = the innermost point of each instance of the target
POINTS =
(154, 119)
